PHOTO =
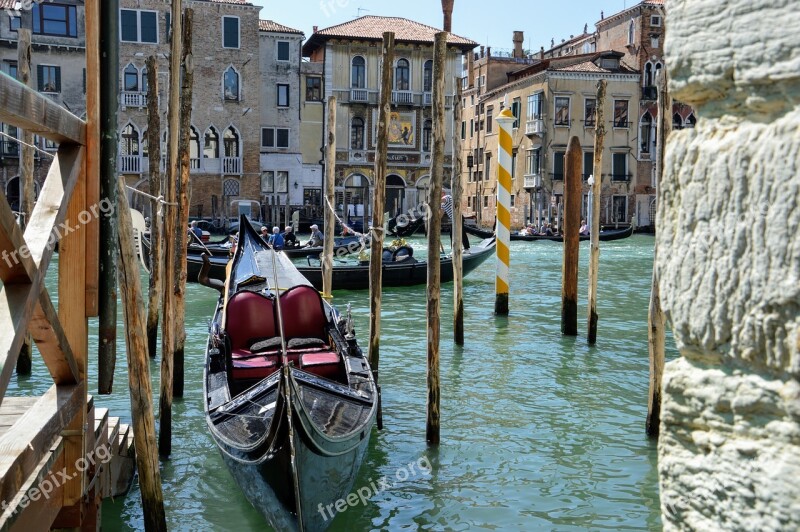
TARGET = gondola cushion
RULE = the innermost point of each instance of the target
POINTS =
(303, 313)
(325, 364)
(258, 367)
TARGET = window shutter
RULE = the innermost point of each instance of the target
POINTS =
(40, 77)
(58, 79)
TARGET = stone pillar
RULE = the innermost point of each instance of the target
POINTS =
(729, 268)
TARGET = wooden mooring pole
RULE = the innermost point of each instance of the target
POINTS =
(656, 335)
(330, 199)
(504, 157)
(572, 222)
(156, 225)
(170, 224)
(457, 223)
(144, 430)
(594, 218)
(109, 146)
(378, 201)
(181, 232)
(432, 426)
(25, 180)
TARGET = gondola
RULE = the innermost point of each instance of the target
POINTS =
(474, 230)
(403, 272)
(605, 236)
(290, 397)
(403, 226)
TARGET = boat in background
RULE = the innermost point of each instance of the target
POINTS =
(290, 397)
(605, 236)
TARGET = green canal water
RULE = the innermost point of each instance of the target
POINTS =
(539, 431)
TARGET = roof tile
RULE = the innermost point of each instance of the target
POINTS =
(272, 26)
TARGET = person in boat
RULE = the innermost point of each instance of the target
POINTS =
(317, 238)
(447, 208)
(265, 234)
(289, 238)
(198, 233)
(276, 240)
(584, 228)
(548, 229)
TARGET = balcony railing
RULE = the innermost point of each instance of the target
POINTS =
(534, 127)
(232, 165)
(620, 177)
(427, 98)
(130, 164)
(532, 180)
(649, 93)
(403, 97)
(194, 165)
(134, 99)
(359, 95)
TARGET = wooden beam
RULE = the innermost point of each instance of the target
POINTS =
(92, 15)
(457, 223)
(571, 230)
(156, 225)
(594, 209)
(25, 108)
(330, 199)
(33, 435)
(15, 267)
(46, 330)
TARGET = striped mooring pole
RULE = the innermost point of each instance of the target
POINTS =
(504, 159)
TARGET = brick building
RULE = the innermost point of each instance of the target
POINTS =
(350, 54)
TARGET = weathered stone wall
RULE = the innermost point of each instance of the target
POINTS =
(729, 267)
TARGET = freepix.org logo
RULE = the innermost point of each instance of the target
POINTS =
(23, 5)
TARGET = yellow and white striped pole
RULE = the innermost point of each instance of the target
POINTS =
(505, 160)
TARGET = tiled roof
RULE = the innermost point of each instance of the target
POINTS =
(7, 4)
(240, 2)
(371, 28)
(269, 25)
(591, 66)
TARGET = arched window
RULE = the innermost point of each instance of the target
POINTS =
(231, 85)
(427, 129)
(645, 132)
(402, 75)
(131, 78)
(211, 144)
(144, 80)
(427, 76)
(230, 141)
(677, 121)
(691, 120)
(129, 141)
(194, 149)
(631, 32)
(230, 187)
(648, 74)
(143, 144)
(357, 134)
(358, 73)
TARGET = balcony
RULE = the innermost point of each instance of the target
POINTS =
(532, 181)
(534, 127)
(359, 95)
(427, 98)
(649, 93)
(134, 99)
(194, 165)
(130, 164)
(402, 97)
(232, 165)
(621, 177)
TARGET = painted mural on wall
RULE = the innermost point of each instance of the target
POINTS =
(402, 128)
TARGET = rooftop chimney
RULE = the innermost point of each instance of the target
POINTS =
(482, 51)
(519, 38)
(315, 29)
(541, 52)
(488, 51)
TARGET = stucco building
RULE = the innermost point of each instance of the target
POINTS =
(350, 54)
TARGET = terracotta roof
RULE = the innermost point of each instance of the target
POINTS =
(371, 28)
(7, 4)
(269, 25)
(240, 2)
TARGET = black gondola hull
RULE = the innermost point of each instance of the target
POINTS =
(605, 236)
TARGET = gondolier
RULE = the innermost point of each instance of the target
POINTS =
(447, 208)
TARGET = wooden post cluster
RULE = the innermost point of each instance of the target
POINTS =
(170, 223)
(572, 221)
(504, 161)
(109, 146)
(457, 223)
(597, 175)
(432, 427)
(156, 225)
(330, 200)
(378, 201)
(181, 231)
(655, 316)
(25, 180)
(144, 429)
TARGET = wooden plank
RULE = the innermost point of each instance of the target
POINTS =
(25, 108)
(92, 14)
(32, 436)
(40, 494)
(15, 267)
(46, 330)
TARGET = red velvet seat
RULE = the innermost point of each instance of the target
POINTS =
(324, 363)
(248, 316)
(256, 367)
(303, 313)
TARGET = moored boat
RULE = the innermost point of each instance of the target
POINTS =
(290, 397)
(605, 236)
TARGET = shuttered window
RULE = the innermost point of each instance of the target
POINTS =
(49, 78)
(230, 32)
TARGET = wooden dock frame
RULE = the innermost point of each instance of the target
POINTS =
(59, 455)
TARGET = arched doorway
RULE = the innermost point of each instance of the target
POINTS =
(395, 195)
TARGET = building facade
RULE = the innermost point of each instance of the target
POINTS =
(57, 70)
(226, 121)
(350, 55)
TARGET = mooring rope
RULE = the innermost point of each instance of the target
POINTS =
(37, 148)
(159, 199)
